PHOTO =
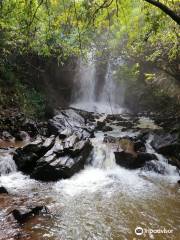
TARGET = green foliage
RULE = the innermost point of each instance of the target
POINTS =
(14, 93)
(127, 73)
(64, 28)
(31, 102)
(135, 30)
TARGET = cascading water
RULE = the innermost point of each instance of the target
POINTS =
(162, 163)
(103, 201)
(112, 94)
(7, 164)
(85, 81)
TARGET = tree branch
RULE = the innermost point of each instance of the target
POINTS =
(166, 10)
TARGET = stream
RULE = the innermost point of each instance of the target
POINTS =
(102, 202)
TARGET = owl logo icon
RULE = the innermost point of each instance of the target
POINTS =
(139, 231)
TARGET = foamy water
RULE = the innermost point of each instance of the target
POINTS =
(104, 201)
(98, 107)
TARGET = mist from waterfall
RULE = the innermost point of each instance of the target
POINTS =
(109, 99)
(84, 81)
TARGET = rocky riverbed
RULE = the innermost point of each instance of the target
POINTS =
(77, 152)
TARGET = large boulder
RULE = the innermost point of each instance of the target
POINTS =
(133, 161)
(70, 121)
(166, 143)
(53, 158)
(22, 136)
(7, 136)
(63, 163)
(26, 157)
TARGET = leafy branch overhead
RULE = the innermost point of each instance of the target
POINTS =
(70, 27)
(166, 10)
(142, 32)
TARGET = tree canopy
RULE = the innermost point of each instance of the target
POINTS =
(141, 32)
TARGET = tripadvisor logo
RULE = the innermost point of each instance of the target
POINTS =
(139, 231)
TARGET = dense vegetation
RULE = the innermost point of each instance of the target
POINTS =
(143, 33)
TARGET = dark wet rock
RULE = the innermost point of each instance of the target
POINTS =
(7, 136)
(132, 161)
(88, 116)
(31, 127)
(53, 158)
(124, 129)
(122, 120)
(125, 123)
(166, 143)
(71, 120)
(169, 149)
(178, 181)
(107, 129)
(26, 157)
(110, 139)
(127, 143)
(3, 190)
(143, 135)
(100, 125)
(139, 146)
(174, 161)
(63, 163)
(22, 136)
(42, 128)
(154, 166)
(26, 214)
(168, 121)
(13, 122)
(114, 117)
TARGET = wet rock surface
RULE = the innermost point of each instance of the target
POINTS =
(130, 161)
(26, 157)
(15, 126)
(62, 162)
(62, 154)
(68, 122)
(67, 146)
(3, 190)
(22, 216)
(166, 143)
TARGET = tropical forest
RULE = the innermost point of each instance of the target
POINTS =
(89, 119)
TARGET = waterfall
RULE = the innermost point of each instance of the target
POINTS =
(111, 96)
(86, 82)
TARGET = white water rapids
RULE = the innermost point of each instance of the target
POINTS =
(102, 202)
